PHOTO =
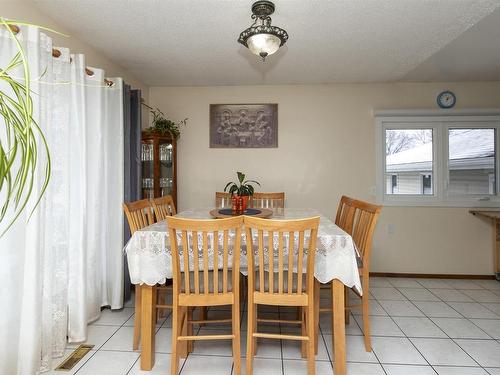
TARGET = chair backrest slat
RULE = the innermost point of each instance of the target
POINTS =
(226, 262)
(196, 263)
(216, 261)
(261, 261)
(185, 253)
(300, 260)
(280, 261)
(205, 262)
(139, 214)
(297, 232)
(163, 207)
(291, 245)
(271, 260)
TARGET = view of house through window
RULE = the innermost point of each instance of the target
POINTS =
(471, 163)
(409, 161)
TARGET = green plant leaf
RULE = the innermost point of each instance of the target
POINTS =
(229, 183)
(241, 177)
(24, 143)
(251, 182)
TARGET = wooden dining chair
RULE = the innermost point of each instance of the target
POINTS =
(222, 199)
(197, 284)
(345, 221)
(296, 247)
(274, 201)
(360, 219)
(365, 220)
(139, 215)
(163, 207)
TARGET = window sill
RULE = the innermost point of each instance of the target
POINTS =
(472, 203)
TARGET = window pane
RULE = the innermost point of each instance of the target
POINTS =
(472, 161)
(409, 164)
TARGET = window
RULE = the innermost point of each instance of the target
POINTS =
(471, 161)
(427, 158)
(408, 154)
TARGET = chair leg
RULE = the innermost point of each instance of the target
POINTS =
(174, 361)
(203, 314)
(347, 308)
(137, 318)
(182, 346)
(303, 332)
(254, 329)
(236, 339)
(365, 301)
(190, 343)
(311, 360)
(316, 314)
(250, 340)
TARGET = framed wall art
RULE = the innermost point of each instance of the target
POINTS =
(243, 125)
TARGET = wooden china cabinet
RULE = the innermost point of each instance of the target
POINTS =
(159, 166)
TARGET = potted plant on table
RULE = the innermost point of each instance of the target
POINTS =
(240, 191)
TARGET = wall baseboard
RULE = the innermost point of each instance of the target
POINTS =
(432, 276)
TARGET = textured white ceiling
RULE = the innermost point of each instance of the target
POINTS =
(473, 56)
(193, 42)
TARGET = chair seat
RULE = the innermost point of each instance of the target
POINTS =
(275, 282)
(210, 282)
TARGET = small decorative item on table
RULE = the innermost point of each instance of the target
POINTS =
(240, 193)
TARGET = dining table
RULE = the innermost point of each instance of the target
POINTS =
(150, 263)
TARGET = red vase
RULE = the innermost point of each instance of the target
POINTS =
(234, 205)
(244, 202)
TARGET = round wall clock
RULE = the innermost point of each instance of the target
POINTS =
(446, 99)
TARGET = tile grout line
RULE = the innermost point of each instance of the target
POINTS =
(412, 302)
(467, 319)
(430, 318)
(404, 333)
(109, 338)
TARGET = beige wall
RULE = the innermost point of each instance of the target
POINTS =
(326, 149)
(27, 11)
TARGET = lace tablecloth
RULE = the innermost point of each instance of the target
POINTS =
(149, 257)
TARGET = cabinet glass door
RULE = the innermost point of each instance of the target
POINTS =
(147, 163)
(166, 169)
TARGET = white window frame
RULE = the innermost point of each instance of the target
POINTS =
(440, 121)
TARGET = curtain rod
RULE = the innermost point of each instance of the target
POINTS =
(56, 53)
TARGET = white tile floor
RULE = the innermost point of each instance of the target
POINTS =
(419, 327)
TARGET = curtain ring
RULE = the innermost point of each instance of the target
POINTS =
(15, 29)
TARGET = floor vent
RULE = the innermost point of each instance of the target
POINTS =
(74, 358)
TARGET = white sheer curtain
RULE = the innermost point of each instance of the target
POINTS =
(61, 266)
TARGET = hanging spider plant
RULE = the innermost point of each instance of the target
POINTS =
(22, 142)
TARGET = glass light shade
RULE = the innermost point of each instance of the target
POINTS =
(263, 44)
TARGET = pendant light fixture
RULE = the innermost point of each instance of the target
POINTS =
(263, 39)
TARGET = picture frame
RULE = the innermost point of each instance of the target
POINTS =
(244, 125)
